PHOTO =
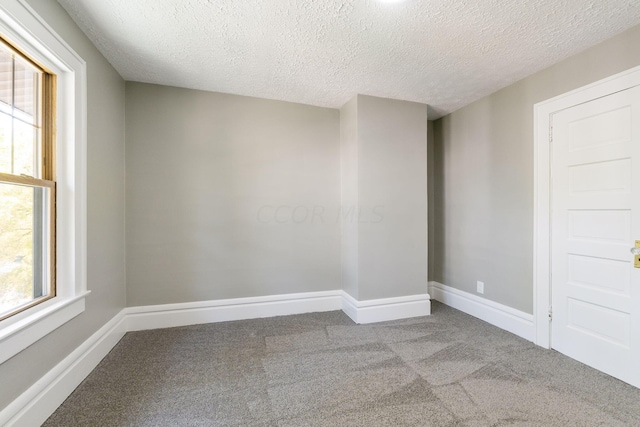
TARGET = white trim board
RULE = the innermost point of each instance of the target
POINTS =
(193, 313)
(543, 115)
(36, 404)
(515, 321)
(382, 310)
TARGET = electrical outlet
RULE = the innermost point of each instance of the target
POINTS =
(480, 287)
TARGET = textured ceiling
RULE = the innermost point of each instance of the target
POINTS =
(445, 53)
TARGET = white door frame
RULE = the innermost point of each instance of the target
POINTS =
(543, 113)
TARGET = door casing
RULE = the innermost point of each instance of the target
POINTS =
(542, 121)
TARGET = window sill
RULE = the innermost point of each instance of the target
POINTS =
(44, 319)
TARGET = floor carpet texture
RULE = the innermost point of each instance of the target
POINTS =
(320, 369)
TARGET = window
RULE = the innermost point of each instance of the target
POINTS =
(27, 182)
(43, 109)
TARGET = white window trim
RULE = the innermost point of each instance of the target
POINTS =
(22, 25)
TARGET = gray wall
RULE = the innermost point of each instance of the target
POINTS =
(206, 174)
(384, 182)
(483, 174)
(105, 222)
(392, 175)
(349, 201)
(431, 186)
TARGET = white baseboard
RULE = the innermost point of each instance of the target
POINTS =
(515, 321)
(381, 310)
(35, 405)
(193, 313)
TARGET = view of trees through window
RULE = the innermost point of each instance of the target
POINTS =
(16, 246)
(20, 205)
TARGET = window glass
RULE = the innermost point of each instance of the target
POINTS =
(26, 201)
(6, 78)
(17, 281)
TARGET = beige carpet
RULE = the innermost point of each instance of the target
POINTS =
(448, 369)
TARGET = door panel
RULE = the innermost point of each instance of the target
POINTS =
(600, 273)
(601, 128)
(605, 176)
(604, 225)
(595, 205)
(601, 322)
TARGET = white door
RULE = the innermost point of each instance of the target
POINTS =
(595, 219)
